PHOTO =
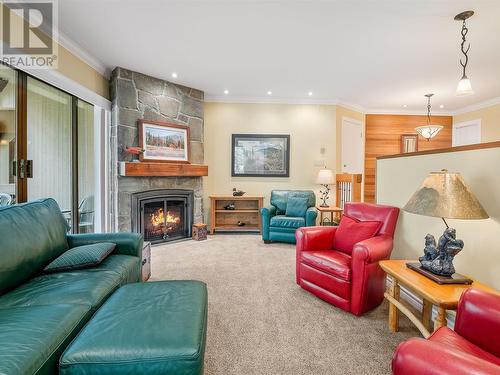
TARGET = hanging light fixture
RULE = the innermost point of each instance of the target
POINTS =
(428, 131)
(464, 86)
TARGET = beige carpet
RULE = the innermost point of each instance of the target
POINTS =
(261, 322)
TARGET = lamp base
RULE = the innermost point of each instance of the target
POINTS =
(456, 278)
(324, 205)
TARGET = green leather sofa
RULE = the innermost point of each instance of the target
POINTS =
(41, 313)
(276, 225)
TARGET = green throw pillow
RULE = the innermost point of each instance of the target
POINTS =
(296, 207)
(81, 257)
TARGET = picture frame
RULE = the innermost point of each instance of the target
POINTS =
(163, 142)
(260, 155)
(409, 143)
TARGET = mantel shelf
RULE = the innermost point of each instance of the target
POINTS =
(141, 169)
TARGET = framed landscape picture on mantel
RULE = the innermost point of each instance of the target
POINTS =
(163, 142)
(260, 155)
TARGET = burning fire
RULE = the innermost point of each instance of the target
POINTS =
(159, 218)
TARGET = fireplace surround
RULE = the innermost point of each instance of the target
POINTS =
(163, 215)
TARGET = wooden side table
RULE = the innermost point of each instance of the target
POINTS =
(444, 297)
(335, 212)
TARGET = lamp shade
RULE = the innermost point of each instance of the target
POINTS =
(428, 131)
(325, 177)
(446, 195)
(464, 87)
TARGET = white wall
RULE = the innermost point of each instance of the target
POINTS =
(399, 178)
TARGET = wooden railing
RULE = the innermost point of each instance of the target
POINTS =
(348, 188)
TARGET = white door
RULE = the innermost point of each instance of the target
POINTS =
(352, 146)
(466, 133)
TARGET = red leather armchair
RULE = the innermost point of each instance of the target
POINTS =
(472, 348)
(352, 281)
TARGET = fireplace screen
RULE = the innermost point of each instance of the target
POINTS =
(163, 221)
(164, 216)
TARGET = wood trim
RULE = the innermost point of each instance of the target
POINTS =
(166, 125)
(162, 169)
(478, 146)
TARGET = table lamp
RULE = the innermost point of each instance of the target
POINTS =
(326, 178)
(444, 195)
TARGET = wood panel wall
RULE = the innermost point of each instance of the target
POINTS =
(383, 137)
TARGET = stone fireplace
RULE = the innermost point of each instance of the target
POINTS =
(138, 96)
(162, 215)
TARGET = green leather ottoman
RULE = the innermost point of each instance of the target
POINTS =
(144, 328)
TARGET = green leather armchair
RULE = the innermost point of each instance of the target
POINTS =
(276, 225)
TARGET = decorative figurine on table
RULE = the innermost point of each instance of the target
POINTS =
(439, 260)
(238, 193)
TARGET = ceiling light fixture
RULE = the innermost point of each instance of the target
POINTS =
(174, 75)
(405, 105)
(428, 131)
(269, 93)
(310, 93)
(226, 92)
(441, 106)
(464, 86)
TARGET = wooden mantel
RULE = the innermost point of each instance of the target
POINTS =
(143, 169)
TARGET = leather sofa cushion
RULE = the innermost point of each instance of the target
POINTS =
(127, 266)
(287, 222)
(33, 338)
(85, 287)
(279, 198)
(33, 234)
(144, 328)
(296, 207)
(330, 261)
(450, 339)
(81, 257)
(351, 231)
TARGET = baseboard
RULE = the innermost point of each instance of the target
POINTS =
(416, 303)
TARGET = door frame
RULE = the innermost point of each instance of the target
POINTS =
(362, 127)
(462, 124)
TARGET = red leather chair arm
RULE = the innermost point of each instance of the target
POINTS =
(418, 356)
(478, 319)
(315, 238)
(373, 249)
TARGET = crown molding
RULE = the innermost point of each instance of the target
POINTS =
(406, 112)
(83, 55)
(477, 106)
(351, 106)
(265, 100)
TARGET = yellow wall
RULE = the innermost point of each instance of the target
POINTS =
(77, 70)
(399, 178)
(311, 127)
(345, 112)
(490, 121)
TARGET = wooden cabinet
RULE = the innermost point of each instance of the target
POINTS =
(246, 210)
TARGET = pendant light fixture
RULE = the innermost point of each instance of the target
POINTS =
(428, 131)
(464, 86)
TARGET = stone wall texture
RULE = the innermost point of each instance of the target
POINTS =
(137, 96)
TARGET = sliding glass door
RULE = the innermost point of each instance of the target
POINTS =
(49, 144)
(8, 93)
(47, 148)
(86, 167)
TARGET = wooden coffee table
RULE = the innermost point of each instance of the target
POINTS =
(444, 297)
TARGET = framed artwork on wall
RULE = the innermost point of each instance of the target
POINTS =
(163, 142)
(409, 143)
(260, 155)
